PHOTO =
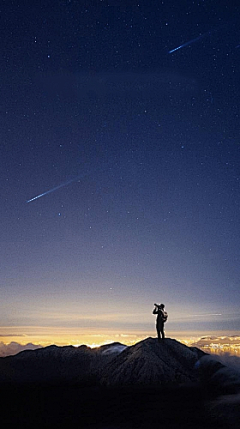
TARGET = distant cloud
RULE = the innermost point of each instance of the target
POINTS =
(219, 345)
(232, 339)
(225, 381)
(230, 361)
(14, 348)
(114, 349)
(11, 335)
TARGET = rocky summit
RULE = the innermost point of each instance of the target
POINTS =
(153, 363)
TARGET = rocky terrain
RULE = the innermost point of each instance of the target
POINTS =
(114, 386)
(55, 365)
(153, 363)
(147, 363)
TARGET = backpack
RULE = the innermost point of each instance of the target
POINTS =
(164, 316)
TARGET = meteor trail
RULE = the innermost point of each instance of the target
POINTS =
(190, 42)
(96, 169)
(53, 189)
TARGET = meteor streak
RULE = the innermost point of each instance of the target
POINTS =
(80, 176)
(53, 189)
(206, 314)
(190, 42)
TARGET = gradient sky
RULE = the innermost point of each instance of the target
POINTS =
(139, 147)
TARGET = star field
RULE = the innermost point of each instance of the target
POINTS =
(120, 166)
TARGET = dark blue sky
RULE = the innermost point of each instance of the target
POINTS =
(140, 150)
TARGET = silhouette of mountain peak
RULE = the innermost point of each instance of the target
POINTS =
(148, 362)
(153, 362)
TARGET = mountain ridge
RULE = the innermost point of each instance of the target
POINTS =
(147, 362)
(117, 386)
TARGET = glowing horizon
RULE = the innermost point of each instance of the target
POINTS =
(84, 336)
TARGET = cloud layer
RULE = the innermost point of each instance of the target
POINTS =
(219, 345)
(14, 348)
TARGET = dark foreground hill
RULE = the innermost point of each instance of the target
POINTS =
(147, 385)
(56, 365)
(152, 363)
(147, 363)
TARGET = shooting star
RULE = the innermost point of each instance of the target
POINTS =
(96, 169)
(206, 314)
(54, 189)
(190, 42)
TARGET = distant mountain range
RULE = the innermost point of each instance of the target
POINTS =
(148, 362)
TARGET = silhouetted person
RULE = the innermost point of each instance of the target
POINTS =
(161, 319)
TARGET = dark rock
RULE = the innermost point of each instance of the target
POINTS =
(57, 364)
(147, 363)
(152, 363)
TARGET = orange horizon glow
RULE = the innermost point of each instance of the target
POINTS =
(45, 336)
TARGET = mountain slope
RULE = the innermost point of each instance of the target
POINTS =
(66, 386)
(147, 363)
(58, 364)
(154, 363)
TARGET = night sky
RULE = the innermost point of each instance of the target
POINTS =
(133, 149)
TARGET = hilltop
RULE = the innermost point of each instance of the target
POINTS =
(147, 363)
(115, 386)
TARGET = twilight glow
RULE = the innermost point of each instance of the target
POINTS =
(151, 142)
